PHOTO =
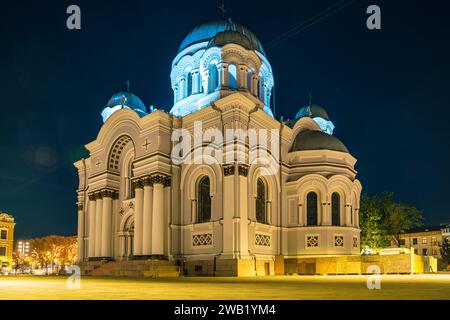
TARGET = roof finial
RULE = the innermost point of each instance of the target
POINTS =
(222, 9)
(128, 85)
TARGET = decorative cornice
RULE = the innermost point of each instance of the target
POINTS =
(104, 193)
(152, 179)
(228, 170)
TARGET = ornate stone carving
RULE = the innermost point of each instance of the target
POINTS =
(228, 170)
(103, 193)
(202, 240)
(262, 240)
(338, 241)
(312, 241)
(243, 170)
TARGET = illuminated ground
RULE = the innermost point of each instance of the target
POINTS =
(276, 287)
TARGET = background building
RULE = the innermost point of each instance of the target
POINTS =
(426, 241)
(6, 240)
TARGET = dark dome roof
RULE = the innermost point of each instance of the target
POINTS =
(317, 140)
(226, 37)
(312, 111)
(127, 99)
(207, 31)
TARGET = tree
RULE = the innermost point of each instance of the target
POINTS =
(373, 227)
(56, 251)
(381, 217)
(445, 251)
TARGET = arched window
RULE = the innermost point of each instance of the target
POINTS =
(261, 195)
(189, 84)
(203, 200)
(311, 209)
(335, 209)
(213, 77)
(232, 76)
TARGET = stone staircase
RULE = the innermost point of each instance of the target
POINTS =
(137, 268)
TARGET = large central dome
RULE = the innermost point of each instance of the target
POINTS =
(207, 31)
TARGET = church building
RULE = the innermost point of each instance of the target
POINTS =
(228, 218)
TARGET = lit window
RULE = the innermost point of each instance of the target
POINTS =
(336, 209)
(434, 251)
(4, 234)
(424, 240)
(311, 209)
(261, 194)
(434, 241)
(203, 200)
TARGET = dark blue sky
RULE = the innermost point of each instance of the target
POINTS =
(387, 91)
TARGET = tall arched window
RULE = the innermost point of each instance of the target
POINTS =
(203, 200)
(213, 77)
(189, 84)
(311, 209)
(261, 195)
(232, 76)
(335, 209)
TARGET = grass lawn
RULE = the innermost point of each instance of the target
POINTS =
(268, 288)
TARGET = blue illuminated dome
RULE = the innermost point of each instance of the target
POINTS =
(207, 31)
(312, 111)
(124, 100)
(319, 115)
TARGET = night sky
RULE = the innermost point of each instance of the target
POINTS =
(387, 91)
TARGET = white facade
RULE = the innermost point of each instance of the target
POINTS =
(135, 202)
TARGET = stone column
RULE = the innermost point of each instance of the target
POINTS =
(182, 88)
(222, 69)
(255, 80)
(81, 235)
(147, 219)
(243, 211)
(175, 93)
(158, 219)
(242, 77)
(229, 209)
(267, 95)
(348, 212)
(107, 224)
(195, 81)
(138, 217)
(98, 226)
(193, 211)
(326, 214)
(91, 213)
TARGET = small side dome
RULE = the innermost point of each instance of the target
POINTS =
(312, 111)
(317, 140)
(229, 36)
(125, 100)
(319, 115)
